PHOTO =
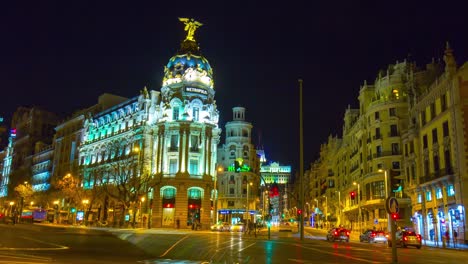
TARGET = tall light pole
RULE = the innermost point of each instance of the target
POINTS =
(326, 209)
(390, 224)
(359, 203)
(339, 207)
(247, 204)
(301, 161)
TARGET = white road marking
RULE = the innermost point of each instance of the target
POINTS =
(56, 246)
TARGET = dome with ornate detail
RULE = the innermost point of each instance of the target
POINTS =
(188, 68)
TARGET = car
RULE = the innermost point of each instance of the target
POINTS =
(238, 227)
(338, 234)
(366, 235)
(221, 226)
(373, 236)
(406, 238)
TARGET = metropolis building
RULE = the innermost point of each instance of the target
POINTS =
(165, 140)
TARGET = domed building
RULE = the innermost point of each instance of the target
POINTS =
(155, 154)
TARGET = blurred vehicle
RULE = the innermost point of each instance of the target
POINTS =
(239, 227)
(406, 238)
(221, 226)
(338, 234)
(285, 226)
(365, 236)
(372, 236)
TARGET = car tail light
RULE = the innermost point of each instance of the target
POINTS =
(347, 233)
(405, 238)
(373, 234)
(419, 237)
(336, 233)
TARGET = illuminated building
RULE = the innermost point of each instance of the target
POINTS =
(407, 130)
(280, 176)
(29, 127)
(166, 139)
(434, 156)
(238, 172)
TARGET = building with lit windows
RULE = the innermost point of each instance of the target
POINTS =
(161, 145)
(434, 156)
(404, 142)
(279, 176)
(238, 178)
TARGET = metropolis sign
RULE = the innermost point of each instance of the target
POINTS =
(196, 90)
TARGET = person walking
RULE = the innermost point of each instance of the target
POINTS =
(455, 237)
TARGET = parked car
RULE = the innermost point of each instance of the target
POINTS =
(373, 236)
(338, 234)
(221, 226)
(406, 238)
(239, 227)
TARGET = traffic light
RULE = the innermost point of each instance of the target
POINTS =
(395, 216)
(299, 211)
(352, 195)
(73, 210)
(274, 190)
(395, 181)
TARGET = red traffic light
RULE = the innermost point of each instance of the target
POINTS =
(395, 216)
(353, 195)
(299, 211)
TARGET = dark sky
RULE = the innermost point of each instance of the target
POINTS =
(62, 56)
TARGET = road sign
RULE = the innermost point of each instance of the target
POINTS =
(392, 205)
(376, 221)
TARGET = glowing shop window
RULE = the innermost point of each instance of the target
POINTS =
(450, 190)
(439, 193)
(419, 198)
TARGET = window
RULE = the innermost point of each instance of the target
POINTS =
(376, 115)
(433, 111)
(193, 167)
(406, 150)
(231, 190)
(411, 147)
(428, 196)
(173, 166)
(396, 165)
(174, 142)
(379, 151)
(392, 111)
(196, 114)
(450, 190)
(231, 203)
(175, 113)
(445, 129)
(425, 142)
(193, 143)
(377, 133)
(439, 193)
(443, 102)
(393, 130)
(231, 179)
(419, 198)
(434, 135)
(436, 165)
(448, 164)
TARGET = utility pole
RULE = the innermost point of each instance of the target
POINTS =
(301, 162)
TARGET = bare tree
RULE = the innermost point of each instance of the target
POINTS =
(125, 179)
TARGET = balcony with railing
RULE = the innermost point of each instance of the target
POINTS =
(436, 175)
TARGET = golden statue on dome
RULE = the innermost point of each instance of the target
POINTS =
(190, 26)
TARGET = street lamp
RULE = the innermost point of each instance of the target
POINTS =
(247, 205)
(359, 203)
(390, 226)
(326, 209)
(339, 207)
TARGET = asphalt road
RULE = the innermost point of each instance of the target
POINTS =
(44, 244)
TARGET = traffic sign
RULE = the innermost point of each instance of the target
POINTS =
(392, 205)
(376, 221)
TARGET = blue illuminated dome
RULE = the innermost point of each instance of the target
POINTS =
(179, 63)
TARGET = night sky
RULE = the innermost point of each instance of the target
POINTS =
(62, 56)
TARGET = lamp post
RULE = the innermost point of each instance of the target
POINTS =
(339, 206)
(85, 210)
(11, 208)
(359, 204)
(247, 204)
(326, 210)
(390, 225)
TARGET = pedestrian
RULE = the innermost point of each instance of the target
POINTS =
(178, 223)
(455, 236)
(447, 237)
(431, 234)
